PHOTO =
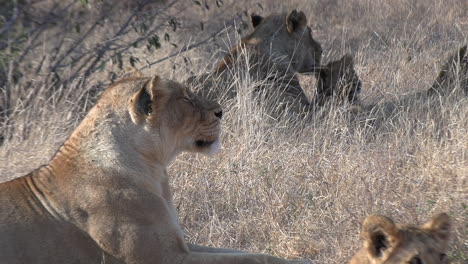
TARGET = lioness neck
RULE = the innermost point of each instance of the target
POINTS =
(107, 139)
(100, 150)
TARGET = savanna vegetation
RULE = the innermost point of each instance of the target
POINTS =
(292, 189)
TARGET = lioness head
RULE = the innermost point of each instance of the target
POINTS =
(167, 117)
(289, 36)
(285, 39)
(338, 80)
(388, 243)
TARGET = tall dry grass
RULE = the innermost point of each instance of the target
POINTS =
(278, 187)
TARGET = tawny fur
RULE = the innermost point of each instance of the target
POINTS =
(388, 243)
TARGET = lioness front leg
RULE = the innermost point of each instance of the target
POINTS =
(206, 249)
(141, 247)
(146, 244)
(214, 258)
(153, 236)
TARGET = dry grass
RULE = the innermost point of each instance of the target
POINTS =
(293, 191)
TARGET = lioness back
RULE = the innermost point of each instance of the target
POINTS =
(388, 243)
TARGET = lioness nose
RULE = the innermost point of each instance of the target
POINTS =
(219, 114)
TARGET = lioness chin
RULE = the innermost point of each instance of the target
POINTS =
(104, 197)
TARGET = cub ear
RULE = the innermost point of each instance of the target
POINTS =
(142, 103)
(380, 233)
(296, 21)
(440, 225)
(255, 19)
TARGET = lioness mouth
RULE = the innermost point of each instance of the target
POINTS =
(203, 143)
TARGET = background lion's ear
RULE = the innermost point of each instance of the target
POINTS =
(463, 53)
(296, 21)
(153, 84)
(379, 233)
(323, 72)
(141, 104)
(255, 19)
(440, 225)
(347, 60)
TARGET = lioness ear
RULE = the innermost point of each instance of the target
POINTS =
(296, 21)
(255, 19)
(379, 233)
(141, 104)
(440, 225)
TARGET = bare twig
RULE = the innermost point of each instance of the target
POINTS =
(10, 22)
(193, 46)
(102, 51)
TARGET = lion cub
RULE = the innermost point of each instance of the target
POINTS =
(388, 243)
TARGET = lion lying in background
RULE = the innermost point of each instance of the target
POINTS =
(388, 243)
(280, 46)
(104, 197)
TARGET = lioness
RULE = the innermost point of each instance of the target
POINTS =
(338, 80)
(280, 46)
(104, 197)
(388, 243)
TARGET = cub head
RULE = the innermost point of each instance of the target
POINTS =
(338, 80)
(287, 36)
(388, 243)
(168, 118)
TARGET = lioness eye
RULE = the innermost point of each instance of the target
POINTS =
(187, 100)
